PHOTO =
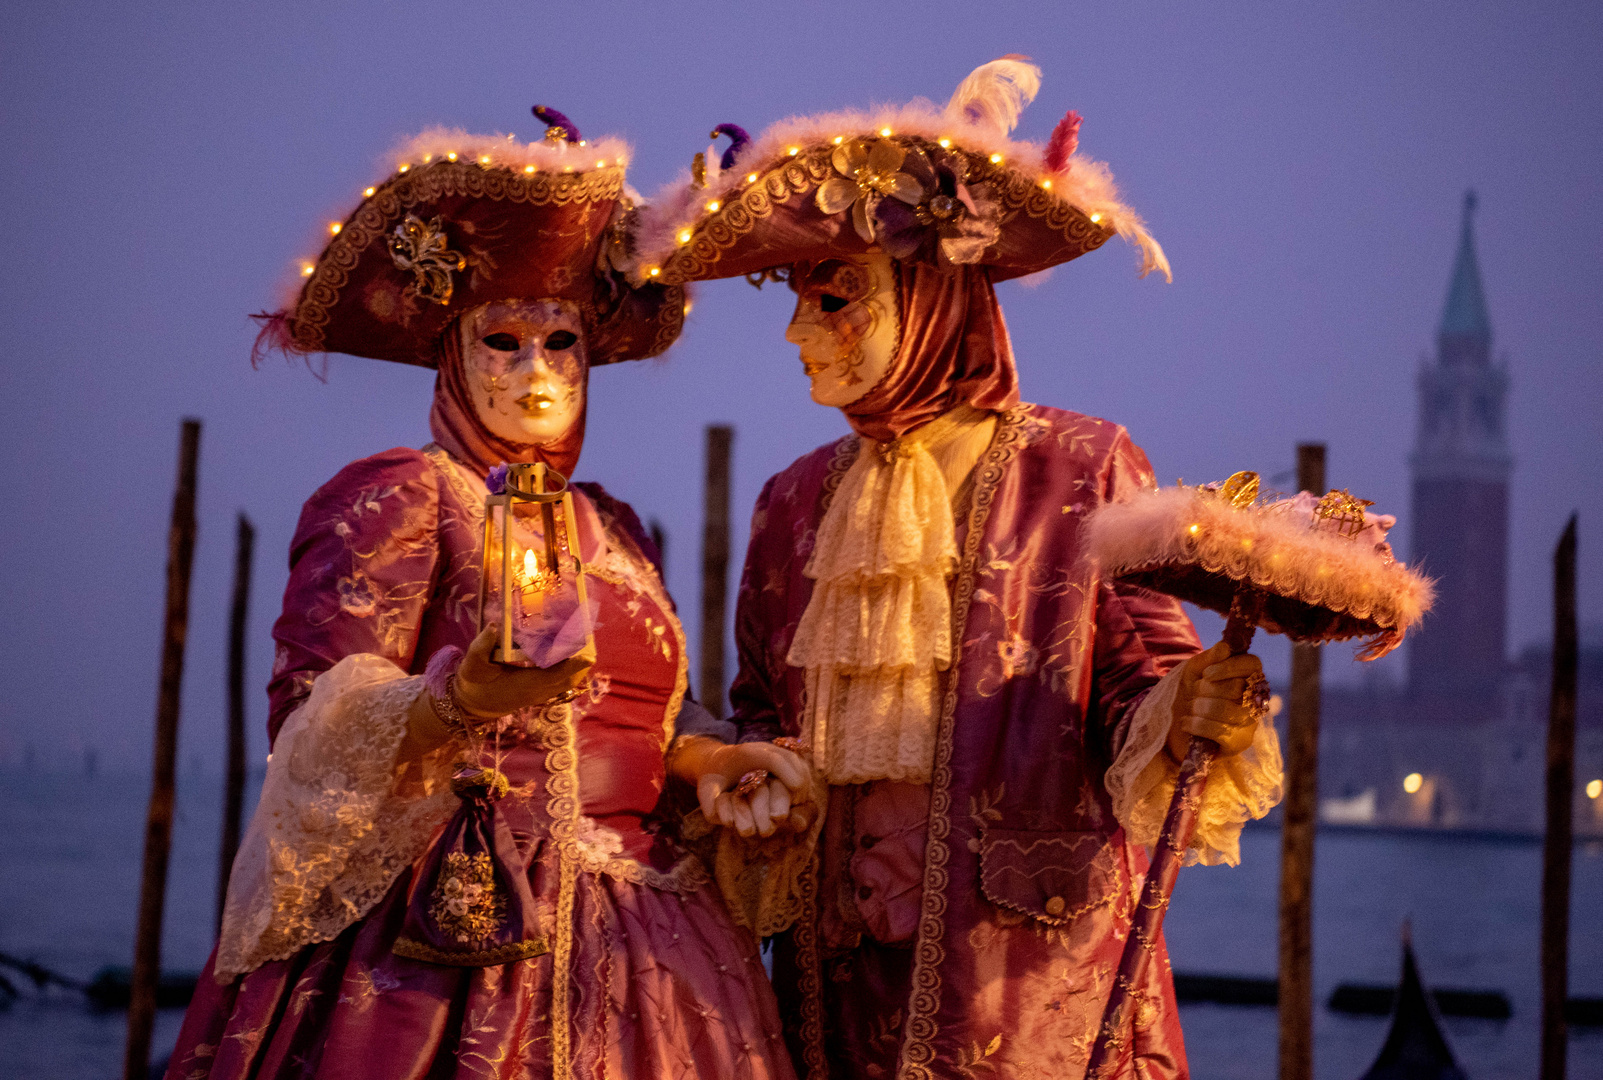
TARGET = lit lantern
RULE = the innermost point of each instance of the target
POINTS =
(535, 588)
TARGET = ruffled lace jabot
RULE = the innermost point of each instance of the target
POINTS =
(877, 630)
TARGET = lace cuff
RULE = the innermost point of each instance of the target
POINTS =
(1141, 782)
(340, 816)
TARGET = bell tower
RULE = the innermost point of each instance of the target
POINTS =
(1461, 465)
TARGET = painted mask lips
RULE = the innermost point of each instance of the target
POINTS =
(536, 401)
(813, 367)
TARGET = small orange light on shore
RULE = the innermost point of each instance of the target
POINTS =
(712, 207)
(1047, 183)
(334, 228)
(404, 167)
(1096, 219)
(944, 143)
(684, 236)
(751, 178)
(528, 168)
(1413, 782)
(996, 159)
(367, 193)
(885, 133)
(654, 271)
(451, 156)
(306, 269)
(1594, 789)
(793, 151)
(484, 159)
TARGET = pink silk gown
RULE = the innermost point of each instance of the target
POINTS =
(646, 975)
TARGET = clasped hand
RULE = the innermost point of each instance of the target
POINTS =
(716, 769)
(1210, 703)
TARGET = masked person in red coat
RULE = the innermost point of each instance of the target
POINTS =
(994, 729)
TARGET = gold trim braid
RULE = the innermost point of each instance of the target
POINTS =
(918, 1049)
(502, 954)
(742, 207)
(809, 965)
(389, 203)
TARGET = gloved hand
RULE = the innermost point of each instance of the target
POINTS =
(716, 768)
(1211, 702)
(486, 690)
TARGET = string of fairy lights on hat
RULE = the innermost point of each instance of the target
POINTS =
(554, 134)
(686, 233)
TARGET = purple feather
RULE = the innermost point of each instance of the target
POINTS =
(737, 142)
(553, 119)
(1064, 141)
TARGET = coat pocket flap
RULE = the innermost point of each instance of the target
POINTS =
(1051, 876)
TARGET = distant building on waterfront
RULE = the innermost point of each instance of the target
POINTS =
(1463, 744)
(1459, 513)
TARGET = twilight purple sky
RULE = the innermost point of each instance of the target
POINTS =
(1302, 164)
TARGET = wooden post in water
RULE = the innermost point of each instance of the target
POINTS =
(1560, 805)
(159, 823)
(715, 568)
(234, 782)
(1300, 818)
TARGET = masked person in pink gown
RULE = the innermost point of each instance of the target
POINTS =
(458, 867)
(994, 729)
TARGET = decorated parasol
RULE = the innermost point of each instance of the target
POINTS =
(1315, 568)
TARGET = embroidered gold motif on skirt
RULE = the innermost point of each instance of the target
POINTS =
(466, 903)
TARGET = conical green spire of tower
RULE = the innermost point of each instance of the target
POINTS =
(1465, 316)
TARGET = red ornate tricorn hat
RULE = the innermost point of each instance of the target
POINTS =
(916, 182)
(466, 220)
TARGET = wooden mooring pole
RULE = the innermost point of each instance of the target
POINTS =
(234, 776)
(1560, 833)
(715, 568)
(1301, 817)
(159, 822)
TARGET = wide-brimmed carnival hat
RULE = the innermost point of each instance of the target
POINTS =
(466, 220)
(915, 181)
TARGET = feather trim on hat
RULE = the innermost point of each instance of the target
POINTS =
(546, 155)
(978, 119)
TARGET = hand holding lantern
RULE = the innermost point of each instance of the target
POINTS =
(534, 591)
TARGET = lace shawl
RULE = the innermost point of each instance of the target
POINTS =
(340, 816)
(1141, 782)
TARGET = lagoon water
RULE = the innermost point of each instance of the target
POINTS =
(69, 881)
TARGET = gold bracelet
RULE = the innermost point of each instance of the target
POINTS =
(449, 713)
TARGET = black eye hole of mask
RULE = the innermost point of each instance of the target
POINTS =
(831, 303)
(561, 339)
(502, 342)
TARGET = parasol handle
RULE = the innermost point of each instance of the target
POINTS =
(1115, 1036)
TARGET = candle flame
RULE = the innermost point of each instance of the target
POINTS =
(531, 565)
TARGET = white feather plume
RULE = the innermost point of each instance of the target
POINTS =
(995, 94)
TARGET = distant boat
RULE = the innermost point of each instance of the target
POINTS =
(1415, 1048)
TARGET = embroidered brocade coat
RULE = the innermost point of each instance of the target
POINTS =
(1028, 882)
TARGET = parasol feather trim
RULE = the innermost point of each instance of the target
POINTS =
(1268, 546)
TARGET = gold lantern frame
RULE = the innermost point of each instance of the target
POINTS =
(537, 483)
